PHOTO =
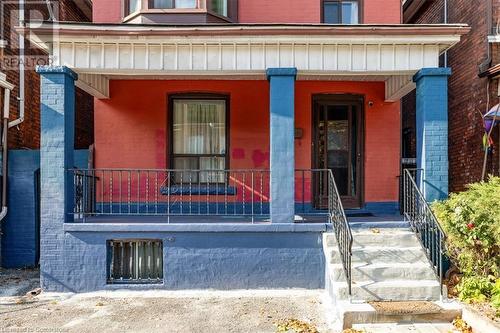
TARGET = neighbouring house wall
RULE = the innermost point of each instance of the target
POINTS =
(131, 127)
(299, 11)
(468, 94)
(275, 11)
(20, 236)
(27, 134)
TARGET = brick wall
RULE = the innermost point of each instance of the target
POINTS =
(27, 134)
(468, 94)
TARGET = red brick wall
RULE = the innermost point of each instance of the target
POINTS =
(468, 94)
(27, 134)
(273, 11)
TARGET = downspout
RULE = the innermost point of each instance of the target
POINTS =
(5, 132)
(21, 69)
(4, 143)
(489, 28)
(445, 60)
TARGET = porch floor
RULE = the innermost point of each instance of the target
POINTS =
(375, 221)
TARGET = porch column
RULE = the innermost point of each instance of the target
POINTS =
(57, 121)
(432, 131)
(282, 150)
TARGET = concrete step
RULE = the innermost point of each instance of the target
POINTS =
(363, 315)
(390, 290)
(404, 327)
(383, 237)
(375, 254)
(384, 271)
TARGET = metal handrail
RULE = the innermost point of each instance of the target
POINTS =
(341, 228)
(424, 223)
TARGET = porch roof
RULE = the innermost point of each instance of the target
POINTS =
(100, 52)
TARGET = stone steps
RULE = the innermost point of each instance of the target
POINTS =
(364, 316)
(390, 290)
(384, 271)
(364, 238)
(382, 254)
(387, 265)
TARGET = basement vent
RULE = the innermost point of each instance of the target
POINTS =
(135, 261)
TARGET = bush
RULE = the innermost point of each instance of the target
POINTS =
(471, 221)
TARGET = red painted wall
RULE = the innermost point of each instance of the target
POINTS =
(279, 11)
(274, 11)
(107, 11)
(382, 11)
(131, 127)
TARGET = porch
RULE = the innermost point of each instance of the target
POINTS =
(329, 103)
(220, 153)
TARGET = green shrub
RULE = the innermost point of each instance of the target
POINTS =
(495, 295)
(471, 221)
(473, 289)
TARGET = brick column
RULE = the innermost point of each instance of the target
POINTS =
(56, 156)
(282, 150)
(432, 131)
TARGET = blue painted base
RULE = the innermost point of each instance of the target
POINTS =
(379, 208)
(203, 260)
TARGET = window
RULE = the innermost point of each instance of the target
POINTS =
(199, 139)
(133, 6)
(340, 12)
(219, 6)
(135, 261)
(170, 4)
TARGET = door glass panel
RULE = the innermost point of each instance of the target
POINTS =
(338, 145)
(354, 150)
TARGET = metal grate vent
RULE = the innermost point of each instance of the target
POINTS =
(135, 261)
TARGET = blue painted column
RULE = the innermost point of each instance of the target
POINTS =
(432, 131)
(57, 122)
(282, 150)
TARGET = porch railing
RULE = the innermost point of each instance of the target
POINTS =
(157, 192)
(341, 228)
(424, 223)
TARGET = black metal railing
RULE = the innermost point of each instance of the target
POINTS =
(424, 223)
(158, 192)
(341, 228)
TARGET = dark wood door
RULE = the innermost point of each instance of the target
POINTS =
(337, 146)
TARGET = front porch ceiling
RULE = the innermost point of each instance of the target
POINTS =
(102, 52)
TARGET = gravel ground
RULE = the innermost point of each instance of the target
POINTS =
(16, 282)
(162, 311)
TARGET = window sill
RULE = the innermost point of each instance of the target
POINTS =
(212, 189)
(173, 11)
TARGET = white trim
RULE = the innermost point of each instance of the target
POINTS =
(95, 85)
(3, 43)
(4, 83)
(189, 55)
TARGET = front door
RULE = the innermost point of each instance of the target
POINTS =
(337, 146)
